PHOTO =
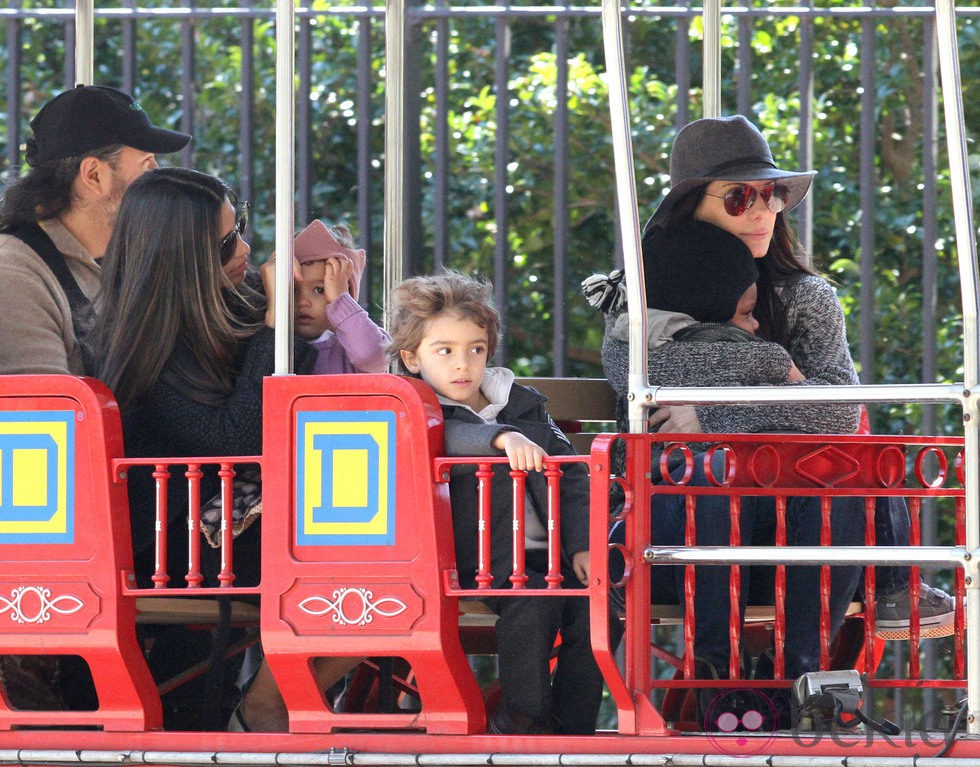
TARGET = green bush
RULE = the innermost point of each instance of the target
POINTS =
(772, 47)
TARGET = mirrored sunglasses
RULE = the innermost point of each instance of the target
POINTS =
(740, 198)
(229, 243)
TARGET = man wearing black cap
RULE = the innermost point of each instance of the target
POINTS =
(89, 144)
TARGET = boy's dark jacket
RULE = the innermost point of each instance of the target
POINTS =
(467, 434)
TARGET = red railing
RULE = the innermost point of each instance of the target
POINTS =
(781, 466)
(193, 471)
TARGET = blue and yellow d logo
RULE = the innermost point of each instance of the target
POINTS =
(345, 478)
(37, 477)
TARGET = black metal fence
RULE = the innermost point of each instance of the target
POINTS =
(433, 213)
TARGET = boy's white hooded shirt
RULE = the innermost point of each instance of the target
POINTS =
(496, 386)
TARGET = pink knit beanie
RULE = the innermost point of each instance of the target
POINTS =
(317, 243)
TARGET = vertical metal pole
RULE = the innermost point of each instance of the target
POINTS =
(712, 58)
(13, 95)
(868, 137)
(629, 219)
(930, 153)
(560, 197)
(188, 59)
(246, 108)
(84, 41)
(441, 213)
(410, 127)
(743, 83)
(364, 170)
(394, 146)
(304, 147)
(69, 60)
(501, 153)
(804, 217)
(129, 48)
(966, 249)
(285, 126)
(682, 72)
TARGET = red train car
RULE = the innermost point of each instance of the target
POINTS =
(357, 563)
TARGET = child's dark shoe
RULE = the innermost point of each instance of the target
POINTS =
(504, 722)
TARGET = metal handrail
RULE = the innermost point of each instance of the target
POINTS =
(285, 183)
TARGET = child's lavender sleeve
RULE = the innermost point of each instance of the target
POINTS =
(363, 342)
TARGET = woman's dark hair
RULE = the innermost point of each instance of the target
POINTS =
(45, 192)
(782, 265)
(163, 289)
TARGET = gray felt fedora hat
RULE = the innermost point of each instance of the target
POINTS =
(725, 149)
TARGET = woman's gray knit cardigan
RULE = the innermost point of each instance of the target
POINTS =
(817, 344)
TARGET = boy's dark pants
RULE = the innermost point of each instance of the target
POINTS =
(526, 632)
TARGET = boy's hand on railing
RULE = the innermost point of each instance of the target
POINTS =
(524, 454)
(580, 566)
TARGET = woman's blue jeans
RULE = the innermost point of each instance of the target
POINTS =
(758, 528)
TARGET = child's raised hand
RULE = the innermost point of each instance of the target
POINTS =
(337, 274)
(268, 274)
(580, 566)
(524, 454)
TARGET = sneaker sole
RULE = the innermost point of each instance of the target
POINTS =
(943, 627)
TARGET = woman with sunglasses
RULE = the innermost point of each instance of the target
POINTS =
(723, 177)
(182, 342)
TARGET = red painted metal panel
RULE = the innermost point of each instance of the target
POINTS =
(64, 598)
(324, 541)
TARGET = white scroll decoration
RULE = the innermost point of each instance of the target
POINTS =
(64, 605)
(353, 606)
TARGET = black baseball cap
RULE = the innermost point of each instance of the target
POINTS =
(90, 117)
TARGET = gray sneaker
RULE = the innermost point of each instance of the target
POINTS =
(936, 612)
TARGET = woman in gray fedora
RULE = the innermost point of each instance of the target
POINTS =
(723, 175)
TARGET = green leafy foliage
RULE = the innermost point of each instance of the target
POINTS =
(768, 44)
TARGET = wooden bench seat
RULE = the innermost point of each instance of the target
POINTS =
(582, 407)
(474, 614)
(669, 615)
(184, 610)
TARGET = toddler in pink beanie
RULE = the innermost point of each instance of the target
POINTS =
(327, 315)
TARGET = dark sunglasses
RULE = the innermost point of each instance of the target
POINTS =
(740, 198)
(229, 243)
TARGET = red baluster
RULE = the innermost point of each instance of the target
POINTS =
(869, 589)
(483, 576)
(227, 474)
(552, 473)
(779, 625)
(194, 474)
(518, 575)
(160, 576)
(826, 539)
(915, 582)
(690, 539)
(959, 620)
(735, 591)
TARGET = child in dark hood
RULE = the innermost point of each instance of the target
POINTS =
(700, 288)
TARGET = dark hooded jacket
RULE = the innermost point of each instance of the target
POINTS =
(466, 434)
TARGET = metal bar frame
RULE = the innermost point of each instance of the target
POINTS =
(285, 184)
(641, 395)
